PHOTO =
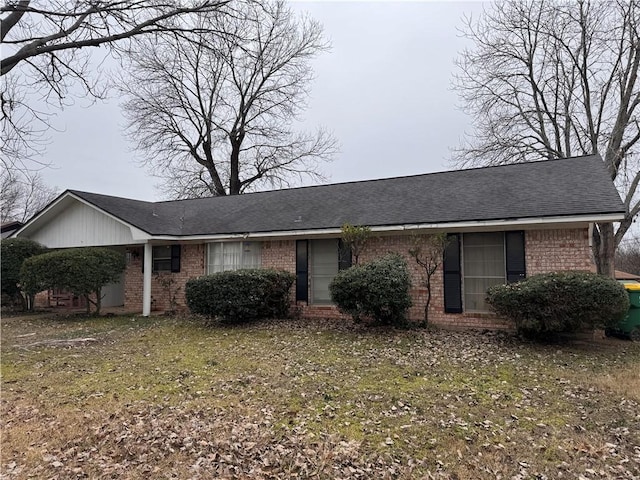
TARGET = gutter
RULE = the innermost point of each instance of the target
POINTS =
(449, 227)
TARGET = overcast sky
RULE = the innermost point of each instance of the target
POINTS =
(384, 90)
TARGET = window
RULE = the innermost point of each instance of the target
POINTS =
(223, 256)
(473, 262)
(324, 266)
(162, 258)
(483, 266)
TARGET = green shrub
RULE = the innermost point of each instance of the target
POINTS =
(83, 271)
(544, 305)
(378, 290)
(242, 295)
(13, 252)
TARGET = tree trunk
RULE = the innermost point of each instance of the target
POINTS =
(426, 307)
(98, 300)
(234, 180)
(604, 248)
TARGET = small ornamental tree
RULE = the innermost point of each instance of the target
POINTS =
(428, 252)
(355, 238)
(13, 252)
(547, 304)
(82, 271)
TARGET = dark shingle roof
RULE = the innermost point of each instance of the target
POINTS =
(563, 187)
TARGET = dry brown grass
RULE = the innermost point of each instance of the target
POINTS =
(166, 398)
(622, 383)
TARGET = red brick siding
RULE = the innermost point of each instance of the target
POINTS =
(192, 258)
(552, 250)
(279, 254)
(545, 250)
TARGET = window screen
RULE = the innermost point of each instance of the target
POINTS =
(323, 260)
(483, 267)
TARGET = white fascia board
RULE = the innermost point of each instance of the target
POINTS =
(136, 233)
(451, 226)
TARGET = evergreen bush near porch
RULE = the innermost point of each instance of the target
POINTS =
(83, 271)
(13, 253)
(242, 295)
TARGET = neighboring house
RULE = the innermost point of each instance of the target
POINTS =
(8, 228)
(620, 275)
(504, 223)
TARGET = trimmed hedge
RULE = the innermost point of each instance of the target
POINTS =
(544, 305)
(13, 253)
(241, 295)
(83, 271)
(378, 290)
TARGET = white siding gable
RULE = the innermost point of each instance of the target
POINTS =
(79, 225)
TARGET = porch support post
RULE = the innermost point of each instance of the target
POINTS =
(146, 280)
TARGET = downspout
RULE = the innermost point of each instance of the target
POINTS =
(146, 280)
(593, 255)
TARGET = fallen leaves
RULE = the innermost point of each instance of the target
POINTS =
(172, 399)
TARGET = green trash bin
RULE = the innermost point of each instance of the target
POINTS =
(630, 325)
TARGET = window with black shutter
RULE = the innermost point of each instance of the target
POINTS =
(452, 275)
(515, 258)
(302, 270)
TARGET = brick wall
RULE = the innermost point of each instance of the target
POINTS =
(552, 250)
(545, 251)
(192, 258)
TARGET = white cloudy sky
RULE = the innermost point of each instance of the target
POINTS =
(384, 90)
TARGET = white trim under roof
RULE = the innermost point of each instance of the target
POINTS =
(559, 221)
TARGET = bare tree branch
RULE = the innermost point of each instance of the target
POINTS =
(45, 51)
(22, 196)
(549, 79)
(214, 116)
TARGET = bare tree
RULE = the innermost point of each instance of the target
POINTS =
(22, 195)
(428, 252)
(214, 116)
(549, 79)
(45, 51)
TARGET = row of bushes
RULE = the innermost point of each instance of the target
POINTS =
(540, 306)
(378, 291)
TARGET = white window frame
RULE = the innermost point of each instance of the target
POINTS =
(243, 262)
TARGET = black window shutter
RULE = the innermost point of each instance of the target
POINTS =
(302, 270)
(175, 258)
(452, 275)
(514, 247)
(344, 256)
(142, 258)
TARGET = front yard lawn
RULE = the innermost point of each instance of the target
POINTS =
(128, 397)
